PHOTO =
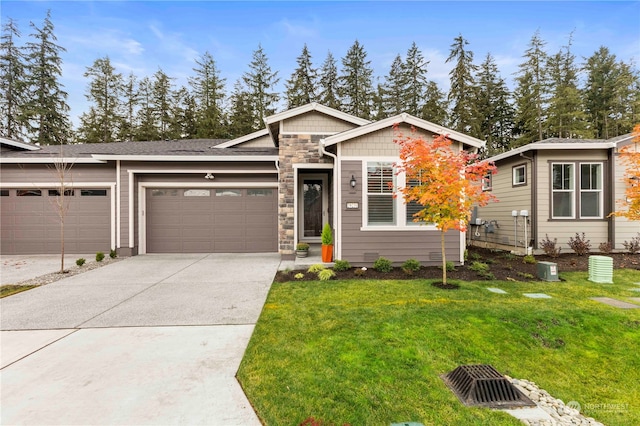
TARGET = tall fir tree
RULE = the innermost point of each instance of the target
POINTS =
(208, 90)
(496, 115)
(183, 123)
(434, 108)
(241, 114)
(392, 91)
(531, 94)
(328, 79)
(129, 105)
(463, 89)
(260, 82)
(46, 106)
(163, 96)
(146, 129)
(415, 80)
(301, 86)
(12, 82)
(355, 87)
(104, 95)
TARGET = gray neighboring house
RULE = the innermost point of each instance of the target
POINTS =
(262, 192)
(563, 186)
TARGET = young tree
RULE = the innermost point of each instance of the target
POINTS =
(355, 82)
(301, 86)
(260, 82)
(104, 94)
(46, 106)
(208, 92)
(463, 88)
(328, 95)
(60, 203)
(12, 83)
(445, 181)
(415, 80)
(630, 156)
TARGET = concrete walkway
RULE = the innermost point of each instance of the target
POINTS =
(153, 339)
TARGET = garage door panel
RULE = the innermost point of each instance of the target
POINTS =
(231, 222)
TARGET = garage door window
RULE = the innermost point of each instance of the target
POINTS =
(197, 193)
(28, 193)
(259, 192)
(164, 192)
(228, 193)
(56, 193)
(4, 193)
(93, 192)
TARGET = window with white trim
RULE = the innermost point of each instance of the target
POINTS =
(591, 190)
(380, 201)
(520, 175)
(487, 182)
(562, 190)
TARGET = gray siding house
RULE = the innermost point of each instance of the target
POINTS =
(555, 188)
(262, 192)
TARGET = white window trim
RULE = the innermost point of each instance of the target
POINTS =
(572, 191)
(513, 175)
(487, 182)
(400, 205)
(601, 190)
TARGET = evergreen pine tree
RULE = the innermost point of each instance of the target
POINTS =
(208, 90)
(183, 124)
(12, 83)
(355, 88)
(163, 96)
(328, 95)
(146, 129)
(301, 87)
(129, 105)
(415, 80)
(434, 108)
(241, 115)
(392, 91)
(260, 82)
(46, 105)
(463, 89)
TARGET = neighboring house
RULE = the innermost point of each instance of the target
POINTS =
(262, 192)
(564, 186)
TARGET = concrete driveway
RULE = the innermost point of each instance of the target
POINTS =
(153, 339)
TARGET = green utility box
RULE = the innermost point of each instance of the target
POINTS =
(548, 271)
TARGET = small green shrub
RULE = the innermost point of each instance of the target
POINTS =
(99, 256)
(382, 265)
(80, 261)
(326, 236)
(326, 274)
(479, 267)
(299, 276)
(526, 275)
(486, 275)
(529, 259)
(466, 255)
(302, 246)
(509, 256)
(449, 265)
(580, 244)
(360, 271)
(341, 265)
(113, 254)
(411, 266)
(550, 247)
(314, 269)
(475, 256)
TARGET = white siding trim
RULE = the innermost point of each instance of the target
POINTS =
(118, 206)
(131, 210)
(183, 158)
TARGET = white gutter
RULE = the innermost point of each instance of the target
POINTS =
(184, 158)
(336, 185)
(46, 160)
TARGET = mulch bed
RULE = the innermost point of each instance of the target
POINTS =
(502, 266)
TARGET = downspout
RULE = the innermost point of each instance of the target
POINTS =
(533, 216)
(612, 197)
(336, 181)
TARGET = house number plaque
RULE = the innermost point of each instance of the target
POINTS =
(353, 205)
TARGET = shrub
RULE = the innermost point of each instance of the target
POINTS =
(509, 256)
(411, 266)
(580, 244)
(449, 265)
(605, 247)
(299, 276)
(341, 265)
(326, 274)
(80, 261)
(475, 256)
(486, 275)
(549, 247)
(360, 272)
(526, 275)
(99, 256)
(529, 259)
(113, 254)
(632, 246)
(479, 267)
(314, 269)
(302, 246)
(326, 236)
(382, 265)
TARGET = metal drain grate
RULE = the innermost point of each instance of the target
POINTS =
(484, 386)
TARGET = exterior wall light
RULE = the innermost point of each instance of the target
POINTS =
(353, 182)
(209, 176)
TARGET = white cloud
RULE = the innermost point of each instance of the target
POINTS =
(172, 44)
(300, 30)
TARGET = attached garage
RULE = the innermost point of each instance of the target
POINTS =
(211, 220)
(30, 223)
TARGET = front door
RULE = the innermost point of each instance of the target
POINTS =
(313, 212)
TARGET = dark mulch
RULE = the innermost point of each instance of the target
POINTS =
(502, 266)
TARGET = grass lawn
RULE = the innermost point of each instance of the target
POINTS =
(9, 289)
(372, 352)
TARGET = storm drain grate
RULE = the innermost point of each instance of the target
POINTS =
(484, 386)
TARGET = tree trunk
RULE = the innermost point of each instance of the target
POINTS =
(444, 259)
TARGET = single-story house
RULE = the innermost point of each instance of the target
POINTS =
(556, 188)
(262, 192)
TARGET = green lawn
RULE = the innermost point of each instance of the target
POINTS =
(372, 352)
(9, 289)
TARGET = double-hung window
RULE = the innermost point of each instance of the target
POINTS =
(563, 190)
(569, 200)
(591, 190)
(380, 201)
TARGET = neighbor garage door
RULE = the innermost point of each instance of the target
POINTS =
(30, 223)
(229, 220)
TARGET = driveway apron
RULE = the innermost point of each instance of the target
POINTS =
(152, 339)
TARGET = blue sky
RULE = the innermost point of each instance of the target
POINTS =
(142, 36)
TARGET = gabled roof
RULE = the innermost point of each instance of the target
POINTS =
(17, 144)
(313, 106)
(564, 143)
(242, 139)
(403, 118)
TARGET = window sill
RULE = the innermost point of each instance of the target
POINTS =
(418, 228)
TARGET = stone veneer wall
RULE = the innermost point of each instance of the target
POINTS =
(294, 149)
